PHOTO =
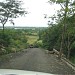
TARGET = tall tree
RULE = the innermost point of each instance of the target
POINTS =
(10, 9)
(67, 9)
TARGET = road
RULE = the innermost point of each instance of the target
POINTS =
(36, 59)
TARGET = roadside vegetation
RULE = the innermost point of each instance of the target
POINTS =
(13, 41)
(10, 40)
(34, 37)
(61, 35)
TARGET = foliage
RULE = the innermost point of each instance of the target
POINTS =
(65, 15)
(10, 9)
(31, 39)
(38, 44)
(14, 40)
(4, 40)
(50, 37)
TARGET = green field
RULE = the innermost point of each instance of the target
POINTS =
(31, 39)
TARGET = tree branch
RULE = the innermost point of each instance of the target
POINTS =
(61, 6)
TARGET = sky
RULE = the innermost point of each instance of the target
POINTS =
(36, 9)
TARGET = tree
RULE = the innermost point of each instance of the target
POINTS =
(50, 37)
(10, 9)
(70, 34)
(67, 9)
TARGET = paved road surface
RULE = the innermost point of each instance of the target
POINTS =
(36, 59)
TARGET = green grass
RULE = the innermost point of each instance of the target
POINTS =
(31, 39)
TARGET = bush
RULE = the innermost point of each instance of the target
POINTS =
(12, 40)
(73, 49)
(5, 39)
(38, 44)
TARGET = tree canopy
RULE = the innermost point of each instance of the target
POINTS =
(10, 9)
(61, 35)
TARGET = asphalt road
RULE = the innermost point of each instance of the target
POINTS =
(36, 59)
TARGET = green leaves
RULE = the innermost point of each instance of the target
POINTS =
(66, 9)
(57, 1)
(60, 1)
(10, 9)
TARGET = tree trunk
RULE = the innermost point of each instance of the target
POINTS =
(61, 47)
(3, 29)
(65, 17)
(63, 30)
(68, 47)
(68, 55)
